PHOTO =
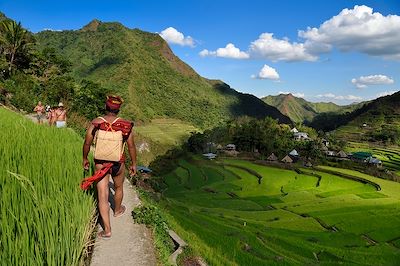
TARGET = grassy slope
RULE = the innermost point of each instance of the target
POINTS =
(44, 216)
(155, 83)
(299, 109)
(229, 218)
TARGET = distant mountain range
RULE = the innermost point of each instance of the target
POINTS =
(300, 110)
(154, 82)
(378, 120)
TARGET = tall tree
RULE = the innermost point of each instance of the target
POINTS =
(14, 39)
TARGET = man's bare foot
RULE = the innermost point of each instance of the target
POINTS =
(121, 212)
(103, 235)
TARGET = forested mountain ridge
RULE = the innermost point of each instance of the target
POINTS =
(154, 82)
(300, 110)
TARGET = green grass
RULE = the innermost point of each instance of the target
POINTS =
(390, 155)
(45, 217)
(230, 219)
(166, 131)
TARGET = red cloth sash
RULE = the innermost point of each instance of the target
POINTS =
(98, 175)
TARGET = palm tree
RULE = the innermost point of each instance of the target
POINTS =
(13, 39)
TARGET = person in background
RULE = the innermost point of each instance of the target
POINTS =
(60, 116)
(111, 121)
(51, 115)
(39, 109)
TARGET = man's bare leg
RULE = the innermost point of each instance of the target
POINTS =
(119, 191)
(104, 207)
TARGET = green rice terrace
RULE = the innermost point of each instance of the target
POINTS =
(236, 212)
(390, 156)
(45, 218)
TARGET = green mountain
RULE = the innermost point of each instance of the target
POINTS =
(300, 110)
(378, 120)
(155, 83)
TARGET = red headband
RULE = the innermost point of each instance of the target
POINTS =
(114, 102)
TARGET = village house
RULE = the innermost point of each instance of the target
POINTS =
(210, 155)
(272, 158)
(342, 154)
(287, 159)
(294, 130)
(230, 147)
(361, 156)
(299, 136)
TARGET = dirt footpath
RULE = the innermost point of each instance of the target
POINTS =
(130, 244)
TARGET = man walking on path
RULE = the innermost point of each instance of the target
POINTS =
(110, 124)
(39, 109)
(61, 116)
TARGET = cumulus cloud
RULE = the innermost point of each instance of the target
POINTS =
(339, 97)
(385, 93)
(171, 35)
(229, 51)
(268, 47)
(358, 29)
(365, 81)
(295, 94)
(267, 72)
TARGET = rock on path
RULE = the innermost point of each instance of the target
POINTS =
(130, 244)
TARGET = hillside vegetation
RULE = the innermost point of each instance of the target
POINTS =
(300, 110)
(377, 121)
(155, 83)
(45, 219)
(230, 216)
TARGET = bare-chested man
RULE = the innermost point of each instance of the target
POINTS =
(61, 116)
(39, 109)
(111, 121)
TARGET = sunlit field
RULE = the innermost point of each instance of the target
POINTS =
(232, 217)
(45, 217)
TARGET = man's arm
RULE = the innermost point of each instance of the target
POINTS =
(86, 146)
(132, 153)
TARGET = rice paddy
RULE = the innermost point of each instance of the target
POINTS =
(45, 217)
(231, 217)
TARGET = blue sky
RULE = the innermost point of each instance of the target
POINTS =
(319, 50)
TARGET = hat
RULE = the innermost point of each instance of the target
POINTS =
(60, 105)
(114, 102)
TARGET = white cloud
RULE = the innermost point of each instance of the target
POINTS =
(385, 93)
(358, 29)
(365, 81)
(339, 97)
(299, 95)
(171, 35)
(229, 51)
(267, 47)
(267, 72)
(295, 94)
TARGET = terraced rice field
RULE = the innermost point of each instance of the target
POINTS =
(231, 216)
(390, 156)
(166, 131)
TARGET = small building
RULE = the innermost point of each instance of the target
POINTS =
(365, 125)
(272, 158)
(309, 164)
(210, 155)
(330, 153)
(361, 156)
(294, 130)
(301, 136)
(341, 154)
(230, 147)
(374, 161)
(325, 142)
(294, 153)
(287, 159)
